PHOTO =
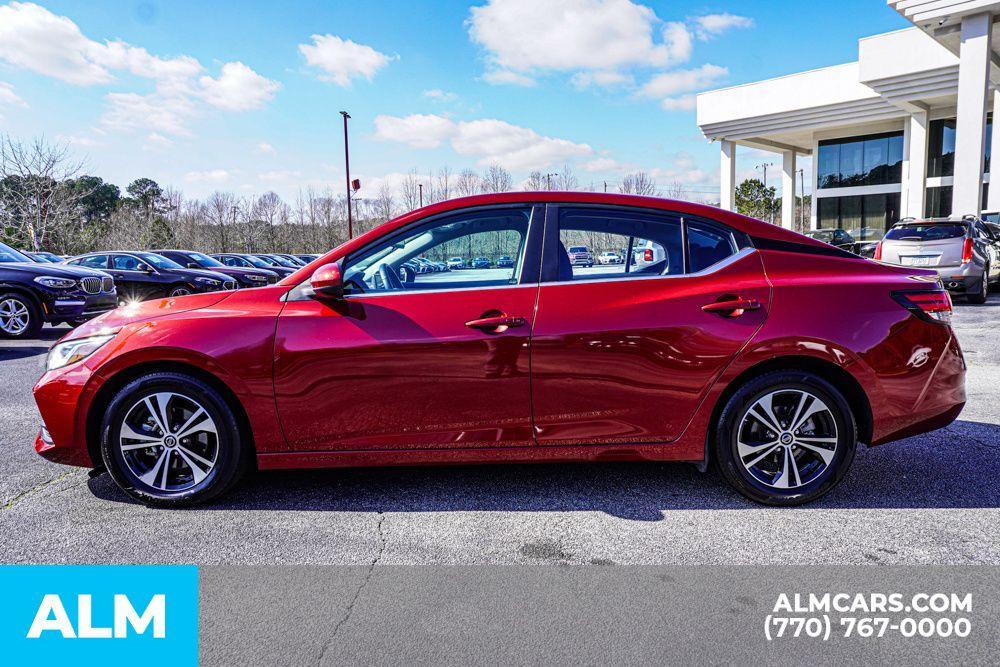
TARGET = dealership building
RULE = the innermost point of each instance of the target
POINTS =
(903, 131)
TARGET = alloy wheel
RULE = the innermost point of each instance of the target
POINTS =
(180, 291)
(787, 438)
(14, 316)
(169, 442)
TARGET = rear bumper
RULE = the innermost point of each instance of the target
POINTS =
(960, 279)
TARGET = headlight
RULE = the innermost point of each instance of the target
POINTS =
(72, 351)
(208, 281)
(55, 283)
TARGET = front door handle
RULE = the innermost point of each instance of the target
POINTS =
(496, 323)
(731, 307)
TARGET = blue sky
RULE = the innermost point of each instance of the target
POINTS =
(243, 96)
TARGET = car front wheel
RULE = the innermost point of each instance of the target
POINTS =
(171, 440)
(19, 317)
(785, 438)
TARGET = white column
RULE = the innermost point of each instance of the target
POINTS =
(993, 196)
(970, 125)
(727, 176)
(914, 183)
(788, 189)
(814, 204)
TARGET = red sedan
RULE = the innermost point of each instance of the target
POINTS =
(739, 343)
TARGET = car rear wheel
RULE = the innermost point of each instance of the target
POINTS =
(785, 438)
(983, 292)
(19, 317)
(170, 440)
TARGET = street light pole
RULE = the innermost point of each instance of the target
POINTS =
(420, 187)
(347, 168)
(548, 181)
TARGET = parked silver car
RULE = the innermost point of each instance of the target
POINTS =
(963, 251)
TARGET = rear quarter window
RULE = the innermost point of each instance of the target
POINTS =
(925, 232)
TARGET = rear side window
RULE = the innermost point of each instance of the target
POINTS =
(707, 246)
(93, 262)
(642, 244)
(936, 232)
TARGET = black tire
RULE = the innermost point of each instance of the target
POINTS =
(175, 291)
(34, 323)
(726, 449)
(983, 291)
(232, 456)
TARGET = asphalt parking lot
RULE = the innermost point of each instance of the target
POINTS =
(929, 499)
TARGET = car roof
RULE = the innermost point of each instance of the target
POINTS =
(742, 223)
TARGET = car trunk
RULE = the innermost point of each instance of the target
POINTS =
(924, 245)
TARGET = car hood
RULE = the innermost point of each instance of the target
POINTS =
(57, 270)
(146, 311)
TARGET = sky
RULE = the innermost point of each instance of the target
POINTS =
(244, 96)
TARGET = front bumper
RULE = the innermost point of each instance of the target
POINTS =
(77, 306)
(62, 397)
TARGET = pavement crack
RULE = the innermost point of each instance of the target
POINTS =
(38, 487)
(357, 593)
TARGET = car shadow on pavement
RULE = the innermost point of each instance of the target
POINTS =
(955, 467)
(12, 353)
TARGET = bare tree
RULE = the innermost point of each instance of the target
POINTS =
(443, 186)
(468, 183)
(384, 203)
(497, 179)
(535, 182)
(566, 180)
(411, 190)
(34, 193)
(220, 216)
(638, 183)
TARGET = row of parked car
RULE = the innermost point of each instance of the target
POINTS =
(40, 287)
(417, 266)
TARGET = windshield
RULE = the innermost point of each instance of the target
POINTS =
(205, 260)
(287, 263)
(8, 255)
(159, 261)
(257, 261)
(929, 232)
(578, 248)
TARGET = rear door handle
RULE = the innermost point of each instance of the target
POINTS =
(731, 307)
(496, 323)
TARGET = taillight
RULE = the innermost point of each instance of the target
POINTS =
(967, 251)
(931, 305)
(878, 251)
(647, 255)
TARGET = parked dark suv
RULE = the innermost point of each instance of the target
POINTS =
(196, 260)
(146, 275)
(32, 294)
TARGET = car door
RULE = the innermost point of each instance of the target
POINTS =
(625, 353)
(135, 278)
(439, 362)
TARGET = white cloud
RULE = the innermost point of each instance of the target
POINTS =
(682, 103)
(601, 164)
(713, 25)
(238, 88)
(265, 148)
(677, 37)
(279, 175)
(78, 140)
(604, 79)
(416, 130)
(440, 95)
(500, 77)
(683, 81)
(156, 141)
(8, 98)
(527, 35)
(212, 176)
(487, 140)
(35, 39)
(341, 60)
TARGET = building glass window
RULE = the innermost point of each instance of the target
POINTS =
(938, 203)
(875, 159)
(865, 217)
(941, 149)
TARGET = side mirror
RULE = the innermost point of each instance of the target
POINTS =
(192, 265)
(327, 283)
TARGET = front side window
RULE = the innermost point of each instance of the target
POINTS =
(490, 244)
(127, 263)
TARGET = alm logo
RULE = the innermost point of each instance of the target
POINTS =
(52, 617)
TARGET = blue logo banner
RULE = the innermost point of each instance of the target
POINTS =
(90, 614)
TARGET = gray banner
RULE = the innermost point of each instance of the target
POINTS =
(596, 615)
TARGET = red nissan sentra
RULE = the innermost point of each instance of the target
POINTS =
(719, 338)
